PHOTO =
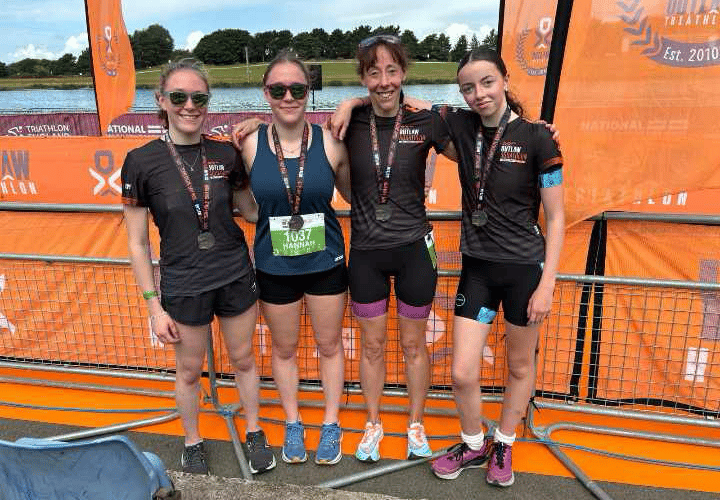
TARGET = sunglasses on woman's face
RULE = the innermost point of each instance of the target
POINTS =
(278, 90)
(178, 98)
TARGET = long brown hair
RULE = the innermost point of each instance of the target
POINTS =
(491, 56)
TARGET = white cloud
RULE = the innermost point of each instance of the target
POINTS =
(30, 51)
(456, 30)
(192, 40)
(75, 44)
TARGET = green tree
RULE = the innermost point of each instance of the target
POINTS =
(82, 66)
(339, 46)
(461, 47)
(223, 46)
(320, 43)
(152, 46)
(474, 43)
(358, 35)
(441, 51)
(303, 45)
(65, 65)
(410, 41)
(3, 70)
(24, 67)
(426, 48)
(491, 39)
(180, 54)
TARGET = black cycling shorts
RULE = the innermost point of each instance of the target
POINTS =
(484, 285)
(285, 289)
(413, 266)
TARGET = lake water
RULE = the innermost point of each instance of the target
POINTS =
(223, 99)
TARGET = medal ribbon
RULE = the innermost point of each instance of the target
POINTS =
(481, 175)
(202, 210)
(383, 178)
(293, 199)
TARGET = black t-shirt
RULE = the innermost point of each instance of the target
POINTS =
(151, 179)
(512, 190)
(420, 130)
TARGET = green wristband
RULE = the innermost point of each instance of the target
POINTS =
(147, 295)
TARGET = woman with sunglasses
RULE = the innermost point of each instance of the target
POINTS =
(186, 181)
(299, 247)
(508, 167)
(388, 143)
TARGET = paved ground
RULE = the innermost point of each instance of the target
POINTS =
(413, 483)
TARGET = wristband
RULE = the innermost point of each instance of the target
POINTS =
(149, 294)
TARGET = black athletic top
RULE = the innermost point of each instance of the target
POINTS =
(526, 159)
(151, 179)
(271, 197)
(420, 130)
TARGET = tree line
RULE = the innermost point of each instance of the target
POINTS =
(154, 46)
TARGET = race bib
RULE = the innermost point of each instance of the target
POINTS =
(288, 242)
(430, 244)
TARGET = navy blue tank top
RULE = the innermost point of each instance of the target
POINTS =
(267, 186)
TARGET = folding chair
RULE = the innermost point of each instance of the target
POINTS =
(109, 468)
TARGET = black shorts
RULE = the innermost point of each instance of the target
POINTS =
(226, 301)
(285, 289)
(412, 265)
(484, 285)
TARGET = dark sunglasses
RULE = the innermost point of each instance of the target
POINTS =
(278, 90)
(178, 98)
(375, 39)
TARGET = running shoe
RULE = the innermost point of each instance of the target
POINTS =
(369, 448)
(500, 471)
(193, 459)
(461, 457)
(328, 451)
(293, 450)
(260, 456)
(417, 444)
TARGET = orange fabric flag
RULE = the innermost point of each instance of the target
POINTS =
(527, 33)
(112, 60)
(638, 104)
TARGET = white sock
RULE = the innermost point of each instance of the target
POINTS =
(474, 442)
(502, 438)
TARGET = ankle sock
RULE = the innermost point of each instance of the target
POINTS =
(474, 441)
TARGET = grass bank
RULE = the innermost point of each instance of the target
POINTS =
(334, 73)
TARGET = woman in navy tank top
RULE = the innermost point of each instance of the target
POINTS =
(299, 248)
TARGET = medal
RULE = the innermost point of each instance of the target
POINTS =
(481, 170)
(382, 209)
(479, 218)
(296, 222)
(382, 212)
(205, 240)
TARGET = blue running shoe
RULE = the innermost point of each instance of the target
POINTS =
(328, 451)
(417, 444)
(369, 448)
(293, 450)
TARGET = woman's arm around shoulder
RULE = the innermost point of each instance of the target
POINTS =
(337, 155)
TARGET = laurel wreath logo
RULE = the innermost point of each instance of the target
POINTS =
(638, 26)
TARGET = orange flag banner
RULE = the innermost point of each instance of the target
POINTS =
(638, 103)
(112, 60)
(527, 33)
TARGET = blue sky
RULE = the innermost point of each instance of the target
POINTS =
(51, 28)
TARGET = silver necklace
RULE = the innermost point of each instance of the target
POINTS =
(192, 166)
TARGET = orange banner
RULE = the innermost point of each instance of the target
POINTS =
(63, 169)
(661, 344)
(638, 102)
(527, 33)
(112, 60)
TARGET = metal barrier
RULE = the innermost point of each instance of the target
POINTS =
(620, 347)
